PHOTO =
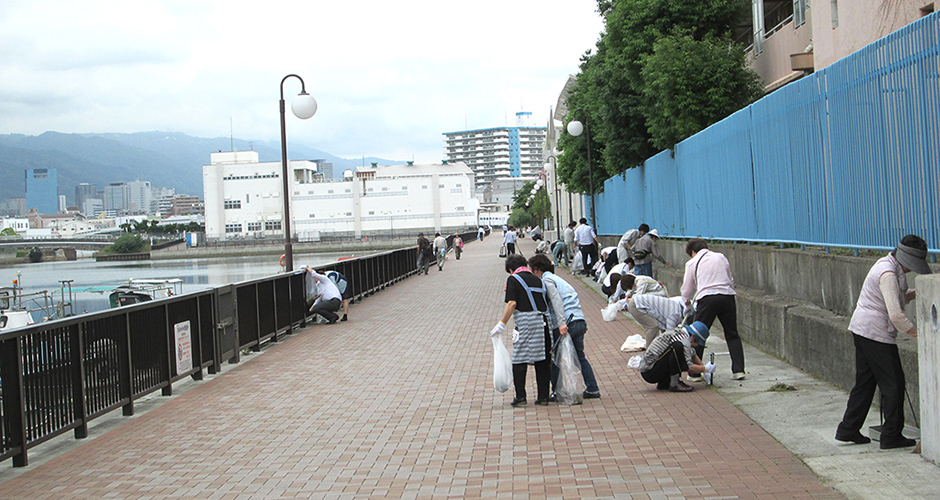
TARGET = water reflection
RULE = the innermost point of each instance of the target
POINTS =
(93, 280)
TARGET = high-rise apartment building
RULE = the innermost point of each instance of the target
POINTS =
(85, 191)
(41, 191)
(116, 197)
(139, 195)
(499, 152)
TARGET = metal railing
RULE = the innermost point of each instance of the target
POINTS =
(57, 376)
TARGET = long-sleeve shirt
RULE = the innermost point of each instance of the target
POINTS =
(509, 237)
(326, 287)
(879, 312)
(660, 344)
(666, 311)
(708, 273)
(648, 244)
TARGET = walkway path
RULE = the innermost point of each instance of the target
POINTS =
(398, 402)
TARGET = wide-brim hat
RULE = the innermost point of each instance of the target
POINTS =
(914, 259)
(699, 331)
(654, 233)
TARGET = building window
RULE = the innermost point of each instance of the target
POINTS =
(272, 225)
(254, 226)
(348, 214)
(424, 186)
(233, 228)
(834, 10)
(404, 188)
(232, 204)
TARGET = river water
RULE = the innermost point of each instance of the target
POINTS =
(196, 274)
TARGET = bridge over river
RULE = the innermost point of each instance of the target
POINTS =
(398, 402)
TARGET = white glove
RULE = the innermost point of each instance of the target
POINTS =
(710, 368)
(498, 329)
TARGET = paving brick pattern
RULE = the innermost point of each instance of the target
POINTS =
(399, 402)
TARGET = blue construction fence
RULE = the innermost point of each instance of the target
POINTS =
(845, 157)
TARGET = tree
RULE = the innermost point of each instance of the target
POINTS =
(691, 84)
(611, 89)
(128, 243)
(8, 231)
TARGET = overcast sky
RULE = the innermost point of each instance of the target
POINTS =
(389, 77)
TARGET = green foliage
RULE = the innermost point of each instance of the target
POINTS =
(532, 214)
(128, 243)
(35, 255)
(8, 231)
(691, 84)
(622, 86)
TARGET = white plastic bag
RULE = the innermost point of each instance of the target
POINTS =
(577, 264)
(633, 343)
(570, 387)
(610, 312)
(635, 362)
(502, 365)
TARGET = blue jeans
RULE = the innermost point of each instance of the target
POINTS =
(644, 269)
(576, 330)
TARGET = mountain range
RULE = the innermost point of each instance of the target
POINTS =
(166, 159)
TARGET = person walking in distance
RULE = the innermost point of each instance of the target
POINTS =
(708, 284)
(586, 239)
(440, 250)
(458, 246)
(878, 317)
(509, 239)
(424, 254)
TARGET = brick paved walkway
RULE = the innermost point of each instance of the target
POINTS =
(398, 402)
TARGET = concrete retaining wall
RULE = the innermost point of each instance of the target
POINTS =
(796, 305)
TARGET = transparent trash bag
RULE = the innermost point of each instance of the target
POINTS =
(570, 387)
(502, 365)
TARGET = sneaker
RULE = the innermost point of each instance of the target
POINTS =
(591, 395)
(737, 376)
(518, 402)
(681, 387)
(694, 378)
(553, 398)
(899, 442)
(856, 437)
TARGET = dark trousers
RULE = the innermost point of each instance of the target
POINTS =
(876, 365)
(588, 257)
(510, 248)
(612, 260)
(543, 373)
(326, 309)
(672, 362)
(722, 307)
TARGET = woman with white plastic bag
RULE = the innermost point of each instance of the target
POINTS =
(502, 365)
(525, 304)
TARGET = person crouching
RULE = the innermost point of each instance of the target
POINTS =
(671, 353)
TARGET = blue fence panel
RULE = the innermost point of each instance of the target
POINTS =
(847, 156)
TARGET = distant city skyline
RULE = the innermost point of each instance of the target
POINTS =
(389, 78)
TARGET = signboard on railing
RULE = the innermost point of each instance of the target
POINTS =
(184, 348)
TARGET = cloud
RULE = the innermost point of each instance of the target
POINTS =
(390, 77)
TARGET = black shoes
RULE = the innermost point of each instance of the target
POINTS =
(541, 402)
(857, 438)
(591, 395)
(518, 402)
(899, 442)
(343, 318)
(681, 387)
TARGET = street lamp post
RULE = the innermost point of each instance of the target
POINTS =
(558, 223)
(575, 128)
(304, 106)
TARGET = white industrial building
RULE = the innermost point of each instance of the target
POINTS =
(243, 199)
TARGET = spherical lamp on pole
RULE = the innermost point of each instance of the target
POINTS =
(575, 128)
(304, 106)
